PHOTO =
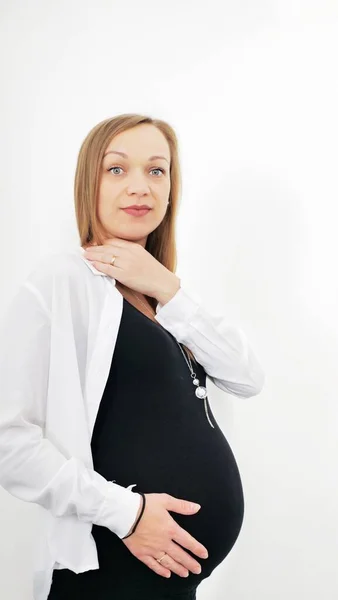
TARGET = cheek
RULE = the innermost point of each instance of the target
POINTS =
(107, 193)
(105, 186)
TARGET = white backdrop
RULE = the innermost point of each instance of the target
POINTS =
(251, 89)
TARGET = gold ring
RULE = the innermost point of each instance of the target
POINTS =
(159, 559)
(113, 260)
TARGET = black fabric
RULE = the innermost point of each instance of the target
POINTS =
(151, 430)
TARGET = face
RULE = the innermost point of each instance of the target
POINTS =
(136, 178)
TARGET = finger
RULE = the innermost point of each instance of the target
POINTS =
(183, 558)
(114, 272)
(93, 248)
(155, 566)
(99, 256)
(98, 253)
(182, 537)
(169, 563)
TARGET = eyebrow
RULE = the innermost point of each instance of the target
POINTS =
(126, 155)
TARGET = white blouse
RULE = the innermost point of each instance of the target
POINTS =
(57, 339)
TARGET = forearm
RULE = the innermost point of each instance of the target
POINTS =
(220, 347)
(34, 470)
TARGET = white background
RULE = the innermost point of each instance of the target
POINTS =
(251, 90)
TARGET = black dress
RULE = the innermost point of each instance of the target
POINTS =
(151, 430)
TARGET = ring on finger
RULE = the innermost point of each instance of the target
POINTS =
(172, 566)
(159, 559)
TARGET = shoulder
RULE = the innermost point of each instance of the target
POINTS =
(58, 266)
(64, 272)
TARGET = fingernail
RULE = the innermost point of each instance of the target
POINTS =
(195, 506)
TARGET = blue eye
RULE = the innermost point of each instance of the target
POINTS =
(155, 169)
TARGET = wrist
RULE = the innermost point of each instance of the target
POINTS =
(169, 289)
(138, 516)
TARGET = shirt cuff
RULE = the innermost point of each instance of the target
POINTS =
(119, 509)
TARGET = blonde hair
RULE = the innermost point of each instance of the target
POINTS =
(160, 242)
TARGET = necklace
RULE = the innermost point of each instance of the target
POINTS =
(201, 391)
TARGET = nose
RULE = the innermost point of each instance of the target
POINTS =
(138, 190)
(138, 185)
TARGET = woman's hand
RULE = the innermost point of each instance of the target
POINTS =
(157, 532)
(134, 267)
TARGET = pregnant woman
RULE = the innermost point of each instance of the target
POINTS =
(143, 347)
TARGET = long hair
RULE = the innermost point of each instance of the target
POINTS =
(160, 242)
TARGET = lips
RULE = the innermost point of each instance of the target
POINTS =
(138, 206)
(136, 212)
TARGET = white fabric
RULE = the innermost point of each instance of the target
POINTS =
(57, 340)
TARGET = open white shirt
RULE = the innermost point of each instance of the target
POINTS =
(57, 340)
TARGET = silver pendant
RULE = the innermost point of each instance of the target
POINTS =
(201, 392)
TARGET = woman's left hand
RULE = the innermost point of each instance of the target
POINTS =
(134, 267)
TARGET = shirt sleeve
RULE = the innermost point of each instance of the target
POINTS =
(31, 467)
(220, 347)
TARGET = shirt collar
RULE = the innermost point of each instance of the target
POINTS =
(80, 251)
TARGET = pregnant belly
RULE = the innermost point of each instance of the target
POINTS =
(214, 482)
(193, 462)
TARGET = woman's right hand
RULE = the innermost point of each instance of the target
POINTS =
(157, 532)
